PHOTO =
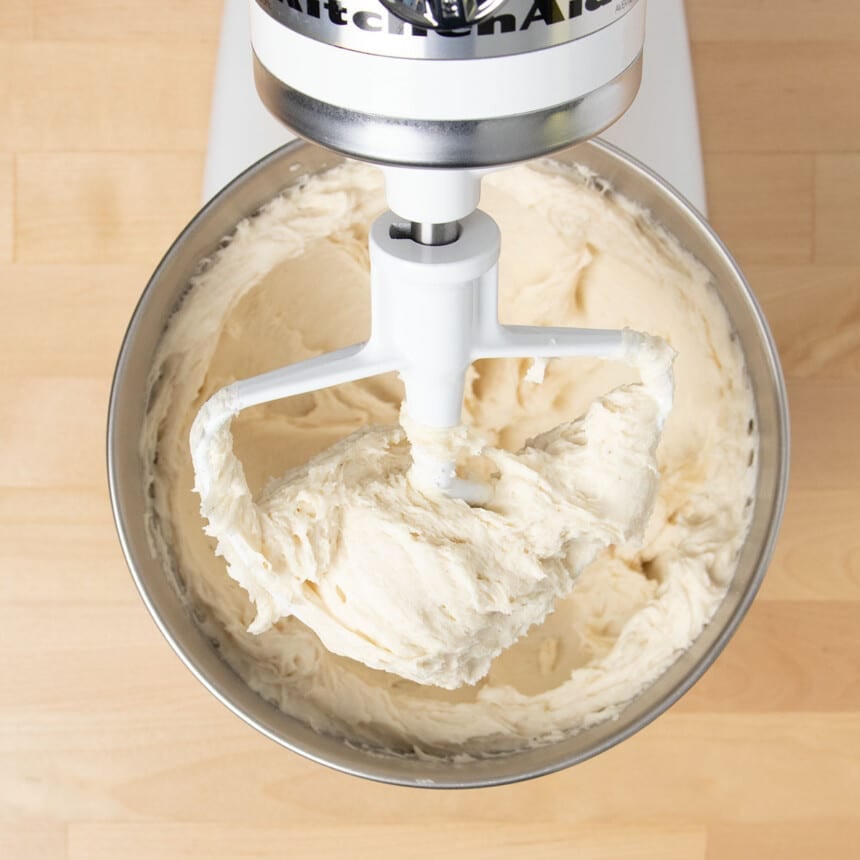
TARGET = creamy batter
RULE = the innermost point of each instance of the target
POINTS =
(293, 282)
(388, 569)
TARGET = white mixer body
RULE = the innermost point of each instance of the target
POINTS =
(536, 76)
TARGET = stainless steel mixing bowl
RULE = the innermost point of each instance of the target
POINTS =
(128, 401)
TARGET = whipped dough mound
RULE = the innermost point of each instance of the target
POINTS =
(412, 581)
(291, 283)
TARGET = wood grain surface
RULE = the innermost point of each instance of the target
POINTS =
(109, 749)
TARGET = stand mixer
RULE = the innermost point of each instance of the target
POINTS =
(147, 425)
(438, 92)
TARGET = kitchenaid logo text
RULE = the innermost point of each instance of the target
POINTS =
(546, 12)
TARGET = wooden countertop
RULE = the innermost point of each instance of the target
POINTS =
(108, 749)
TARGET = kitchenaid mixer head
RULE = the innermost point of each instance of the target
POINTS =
(367, 80)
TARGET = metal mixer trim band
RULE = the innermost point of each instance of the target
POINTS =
(519, 26)
(457, 143)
